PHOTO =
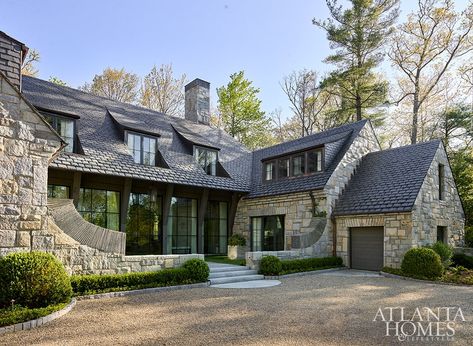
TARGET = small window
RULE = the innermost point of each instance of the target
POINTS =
(441, 232)
(283, 168)
(64, 127)
(270, 171)
(314, 161)
(441, 182)
(142, 148)
(298, 165)
(207, 159)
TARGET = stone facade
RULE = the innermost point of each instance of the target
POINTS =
(297, 207)
(27, 144)
(430, 212)
(197, 101)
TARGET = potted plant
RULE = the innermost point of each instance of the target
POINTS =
(236, 247)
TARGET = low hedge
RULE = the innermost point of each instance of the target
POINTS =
(18, 314)
(309, 264)
(463, 260)
(190, 273)
(271, 265)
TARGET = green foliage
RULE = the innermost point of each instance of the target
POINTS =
(198, 269)
(309, 264)
(91, 284)
(237, 240)
(18, 314)
(459, 275)
(241, 114)
(33, 279)
(357, 35)
(225, 259)
(444, 251)
(395, 271)
(57, 81)
(463, 260)
(469, 236)
(270, 265)
(461, 163)
(422, 263)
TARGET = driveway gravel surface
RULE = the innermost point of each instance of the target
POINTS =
(307, 310)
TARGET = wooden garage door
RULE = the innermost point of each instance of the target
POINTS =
(367, 248)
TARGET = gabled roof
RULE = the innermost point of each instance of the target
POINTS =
(106, 153)
(336, 141)
(387, 181)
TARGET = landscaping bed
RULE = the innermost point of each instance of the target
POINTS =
(225, 260)
(273, 266)
(18, 314)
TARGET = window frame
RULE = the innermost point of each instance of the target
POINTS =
(441, 185)
(54, 125)
(106, 212)
(142, 151)
(261, 236)
(290, 158)
(207, 150)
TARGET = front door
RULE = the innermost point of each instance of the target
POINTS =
(267, 233)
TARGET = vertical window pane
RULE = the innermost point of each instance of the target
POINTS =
(314, 161)
(283, 168)
(298, 165)
(256, 229)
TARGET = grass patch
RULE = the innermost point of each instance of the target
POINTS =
(18, 314)
(225, 260)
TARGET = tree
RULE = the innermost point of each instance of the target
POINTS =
(114, 84)
(162, 92)
(29, 64)
(57, 81)
(358, 35)
(461, 162)
(308, 100)
(240, 111)
(425, 47)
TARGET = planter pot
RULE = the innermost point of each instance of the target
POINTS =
(236, 252)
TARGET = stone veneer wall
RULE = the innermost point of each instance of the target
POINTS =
(430, 212)
(397, 235)
(27, 144)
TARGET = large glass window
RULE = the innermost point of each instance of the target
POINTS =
(142, 148)
(207, 159)
(100, 207)
(58, 191)
(267, 233)
(182, 226)
(144, 225)
(64, 127)
(215, 228)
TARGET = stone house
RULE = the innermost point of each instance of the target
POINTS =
(113, 187)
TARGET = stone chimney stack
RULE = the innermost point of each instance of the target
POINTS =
(12, 54)
(198, 101)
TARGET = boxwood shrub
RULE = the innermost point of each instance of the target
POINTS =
(422, 263)
(34, 280)
(444, 251)
(308, 264)
(270, 265)
(237, 240)
(463, 260)
(192, 271)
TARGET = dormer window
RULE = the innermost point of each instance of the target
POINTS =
(207, 159)
(293, 165)
(65, 127)
(143, 148)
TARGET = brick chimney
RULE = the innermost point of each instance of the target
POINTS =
(198, 101)
(12, 54)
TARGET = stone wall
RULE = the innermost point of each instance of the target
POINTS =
(27, 144)
(397, 235)
(430, 212)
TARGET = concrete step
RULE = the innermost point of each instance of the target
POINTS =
(242, 278)
(231, 268)
(214, 275)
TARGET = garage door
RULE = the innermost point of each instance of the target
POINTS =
(367, 248)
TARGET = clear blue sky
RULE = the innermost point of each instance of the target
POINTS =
(203, 39)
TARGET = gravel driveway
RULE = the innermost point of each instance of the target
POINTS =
(308, 310)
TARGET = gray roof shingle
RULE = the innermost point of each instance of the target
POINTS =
(103, 144)
(387, 181)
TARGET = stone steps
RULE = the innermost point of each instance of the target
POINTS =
(233, 273)
(224, 274)
(241, 278)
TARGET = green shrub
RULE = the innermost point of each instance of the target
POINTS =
(469, 236)
(33, 279)
(422, 263)
(390, 270)
(18, 314)
(308, 264)
(270, 265)
(95, 283)
(463, 260)
(444, 251)
(237, 240)
(198, 269)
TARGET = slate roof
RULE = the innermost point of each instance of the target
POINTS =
(101, 138)
(336, 142)
(387, 181)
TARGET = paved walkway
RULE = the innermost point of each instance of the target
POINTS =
(305, 310)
